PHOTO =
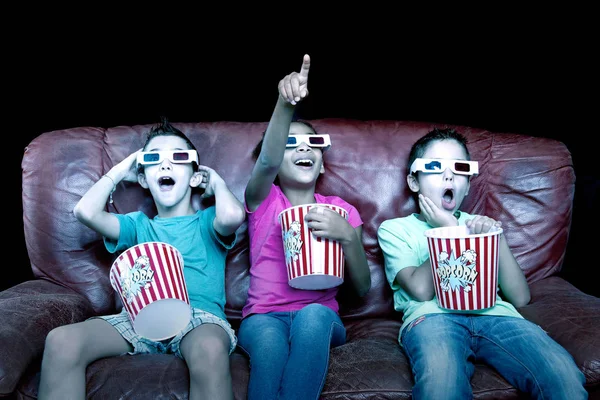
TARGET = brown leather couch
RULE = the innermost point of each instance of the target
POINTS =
(526, 182)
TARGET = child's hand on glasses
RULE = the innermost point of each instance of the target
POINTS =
(126, 170)
(293, 88)
(209, 180)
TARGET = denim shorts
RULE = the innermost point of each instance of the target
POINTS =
(142, 345)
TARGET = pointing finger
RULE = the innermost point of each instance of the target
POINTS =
(305, 66)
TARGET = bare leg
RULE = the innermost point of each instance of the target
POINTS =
(206, 352)
(68, 351)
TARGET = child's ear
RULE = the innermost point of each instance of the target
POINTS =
(322, 170)
(196, 179)
(468, 187)
(413, 183)
(142, 181)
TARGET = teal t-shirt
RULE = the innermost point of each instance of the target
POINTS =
(203, 251)
(404, 244)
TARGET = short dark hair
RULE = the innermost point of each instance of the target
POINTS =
(420, 146)
(164, 128)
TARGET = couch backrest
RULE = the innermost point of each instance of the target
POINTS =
(526, 182)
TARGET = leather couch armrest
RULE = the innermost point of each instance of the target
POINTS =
(28, 311)
(570, 317)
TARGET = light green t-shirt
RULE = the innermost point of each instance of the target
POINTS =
(404, 245)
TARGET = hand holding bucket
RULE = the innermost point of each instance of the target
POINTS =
(464, 267)
(313, 263)
(149, 279)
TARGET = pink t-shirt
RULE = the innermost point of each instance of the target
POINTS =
(269, 289)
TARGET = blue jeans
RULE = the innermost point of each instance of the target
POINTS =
(289, 351)
(442, 348)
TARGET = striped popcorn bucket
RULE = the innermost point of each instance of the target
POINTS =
(149, 280)
(312, 263)
(464, 267)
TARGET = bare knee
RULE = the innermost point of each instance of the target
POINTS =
(207, 354)
(210, 353)
(62, 347)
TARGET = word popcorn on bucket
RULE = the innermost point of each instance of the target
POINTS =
(455, 273)
(464, 267)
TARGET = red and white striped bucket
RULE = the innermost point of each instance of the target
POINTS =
(464, 267)
(149, 279)
(312, 263)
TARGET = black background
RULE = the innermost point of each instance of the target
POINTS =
(532, 73)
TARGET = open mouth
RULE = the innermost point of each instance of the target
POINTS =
(304, 163)
(448, 199)
(166, 183)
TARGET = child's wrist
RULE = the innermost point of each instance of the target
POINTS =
(112, 176)
(218, 184)
(114, 186)
(115, 174)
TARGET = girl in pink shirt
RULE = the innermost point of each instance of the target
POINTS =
(286, 332)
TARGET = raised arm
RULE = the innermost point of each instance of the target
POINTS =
(293, 88)
(91, 208)
(230, 212)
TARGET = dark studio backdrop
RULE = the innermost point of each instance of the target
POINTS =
(531, 82)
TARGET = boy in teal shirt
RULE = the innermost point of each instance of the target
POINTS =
(168, 166)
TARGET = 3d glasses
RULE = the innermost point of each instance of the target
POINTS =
(321, 141)
(437, 166)
(174, 156)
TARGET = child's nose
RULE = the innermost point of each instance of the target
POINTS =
(448, 174)
(303, 147)
(166, 165)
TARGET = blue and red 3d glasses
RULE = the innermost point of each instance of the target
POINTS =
(320, 141)
(437, 166)
(174, 156)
